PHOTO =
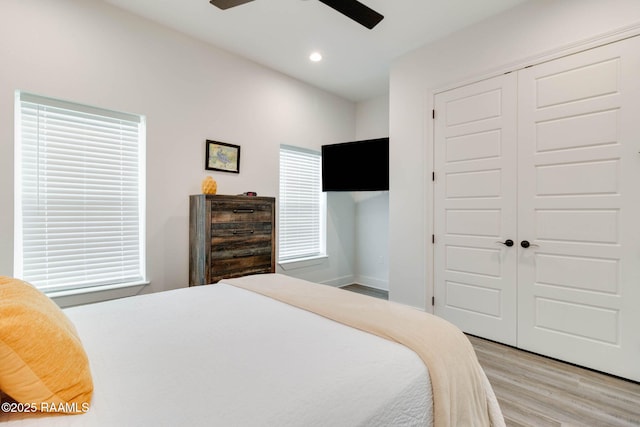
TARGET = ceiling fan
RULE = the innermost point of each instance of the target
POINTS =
(353, 9)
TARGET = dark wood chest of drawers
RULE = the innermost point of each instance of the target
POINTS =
(230, 236)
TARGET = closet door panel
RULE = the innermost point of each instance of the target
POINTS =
(579, 207)
(475, 207)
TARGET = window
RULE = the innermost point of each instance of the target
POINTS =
(79, 198)
(302, 207)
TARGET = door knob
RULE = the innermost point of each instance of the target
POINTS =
(525, 244)
(507, 243)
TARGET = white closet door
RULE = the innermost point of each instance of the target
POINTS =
(475, 208)
(579, 207)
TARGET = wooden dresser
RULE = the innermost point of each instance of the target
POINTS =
(230, 236)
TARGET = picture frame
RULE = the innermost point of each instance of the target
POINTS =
(221, 156)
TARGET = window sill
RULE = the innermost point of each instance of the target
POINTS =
(296, 264)
(83, 296)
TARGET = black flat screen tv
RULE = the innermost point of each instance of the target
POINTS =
(356, 166)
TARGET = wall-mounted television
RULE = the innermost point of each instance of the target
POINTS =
(356, 166)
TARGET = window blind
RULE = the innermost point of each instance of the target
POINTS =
(79, 195)
(301, 204)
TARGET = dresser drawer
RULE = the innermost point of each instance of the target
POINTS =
(240, 265)
(240, 249)
(217, 276)
(229, 238)
(232, 231)
(241, 211)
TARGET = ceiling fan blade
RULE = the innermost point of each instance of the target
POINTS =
(226, 4)
(357, 11)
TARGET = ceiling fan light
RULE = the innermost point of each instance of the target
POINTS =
(315, 57)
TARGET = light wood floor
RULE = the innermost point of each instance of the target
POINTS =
(535, 391)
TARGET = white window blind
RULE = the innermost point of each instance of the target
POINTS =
(79, 195)
(301, 205)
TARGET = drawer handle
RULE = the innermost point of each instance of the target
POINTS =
(243, 231)
(243, 210)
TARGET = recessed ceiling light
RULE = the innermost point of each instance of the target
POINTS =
(315, 57)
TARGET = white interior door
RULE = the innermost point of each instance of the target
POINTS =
(475, 208)
(579, 204)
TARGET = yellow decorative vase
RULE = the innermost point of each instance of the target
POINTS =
(209, 186)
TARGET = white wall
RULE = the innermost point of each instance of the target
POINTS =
(372, 208)
(498, 44)
(372, 239)
(372, 118)
(92, 53)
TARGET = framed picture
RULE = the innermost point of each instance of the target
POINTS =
(221, 156)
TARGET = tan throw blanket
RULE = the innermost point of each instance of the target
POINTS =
(462, 395)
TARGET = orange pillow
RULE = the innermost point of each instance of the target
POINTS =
(42, 361)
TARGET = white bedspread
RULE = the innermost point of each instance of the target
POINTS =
(222, 356)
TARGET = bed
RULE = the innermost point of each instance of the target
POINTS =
(236, 354)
